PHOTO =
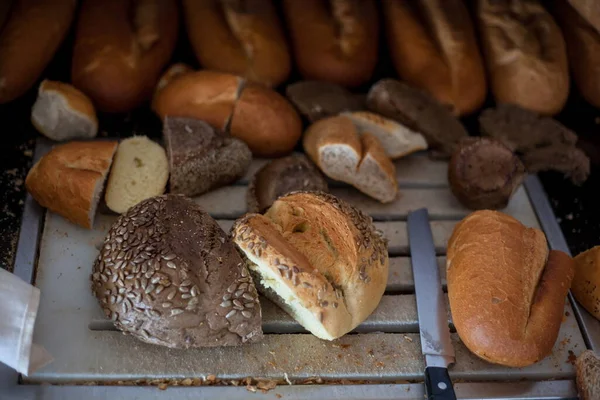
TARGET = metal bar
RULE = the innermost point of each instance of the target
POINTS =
(590, 326)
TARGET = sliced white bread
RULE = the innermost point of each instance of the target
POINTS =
(140, 171)
(62, 112)
(588, 375)
(397, 140)
(336, 147)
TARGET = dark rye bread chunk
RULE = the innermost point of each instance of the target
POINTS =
(316, 100)
(168, 275)
(542, 143)
(419, 111)
(588, 375)
(483, 173)
(282, 176)
(201, 159)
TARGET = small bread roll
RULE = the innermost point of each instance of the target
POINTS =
(62, 112)
(586, 284)
(318, 258)
(140, 171)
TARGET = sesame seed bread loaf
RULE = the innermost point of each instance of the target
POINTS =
(140, 171)
(200, 159)
(586, 283)
(69, 179)
(318, 258)
(588, 375)
(168, 275)
(62, 112)
(336, 147)
(282, 176)
(507, 291)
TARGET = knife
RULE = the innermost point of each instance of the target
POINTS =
(431, 309)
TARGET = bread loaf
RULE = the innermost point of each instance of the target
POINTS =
(201, 159)
(334, 40)
(589, 10)
(69, 179)
(433, 46)
(525, 54)
(587, 368)
(140, 171)
(193, 273)
(335, 145)
(31, 35)
(586, 283)
(61, 112)
(282, 176)
(172, 73)
(241, 37)
(418, 111)
(120, 49)
(507, 292)
(318, 258)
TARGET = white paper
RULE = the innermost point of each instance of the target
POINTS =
(19, 303)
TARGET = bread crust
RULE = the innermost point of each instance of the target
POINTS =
(433, 46)
(507, 291)
(120, 49)
(242, 37)
(32, 34)
(586, 284)
(66, 179)
(334, 40)
(525, 53)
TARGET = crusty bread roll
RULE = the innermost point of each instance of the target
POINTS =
(336, 147)
(242, 37)
(525, 54)
(433, 46)
(282, 176)
(334, 40)
(583, 48)
(69, 179)
(587, 368)
(120, 49)
(168, 275)
(201, 159)
(28, 41)
(586, 284)
(507, 292)
(396, 139)
(140, 171)
(62, 112)
(318, 258)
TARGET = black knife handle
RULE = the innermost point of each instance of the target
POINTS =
(438, 385)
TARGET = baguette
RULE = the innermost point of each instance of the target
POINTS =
(433, 46)
(334, 40)
(120, 49)
(507, 291)
(241, 37)
(70, 178)
(34, 31)
(525, 53)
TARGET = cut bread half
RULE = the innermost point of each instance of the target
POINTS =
(140, 171)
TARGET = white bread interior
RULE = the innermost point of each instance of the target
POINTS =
(140, 170)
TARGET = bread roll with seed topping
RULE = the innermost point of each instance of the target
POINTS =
(318, 258)
(184, 283)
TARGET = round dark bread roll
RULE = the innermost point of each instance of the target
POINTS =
(483, 173)
(282, 176)
(169, 275)
(317, 257)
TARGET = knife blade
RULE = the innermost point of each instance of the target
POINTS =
(436, 344)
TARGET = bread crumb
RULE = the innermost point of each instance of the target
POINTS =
(265, 386)
(162, 386)
(251, 388)
(278, 395)
(408, 338)
(572, 358)
(211, 378)
(569, 216)
(186, 382)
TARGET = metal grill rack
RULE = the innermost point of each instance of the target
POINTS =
(385, 349)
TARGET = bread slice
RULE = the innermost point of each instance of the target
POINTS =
(140, 171)
(588, 375)
(62, 112)
(318, 258)
(397, 140)
(342, 154)
(70, 178)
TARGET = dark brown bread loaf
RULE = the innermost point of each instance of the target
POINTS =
(282, 176)
(168, 275)
(201, 159)
(419, 111)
